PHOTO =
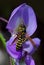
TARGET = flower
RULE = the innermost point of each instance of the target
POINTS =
(22, 15)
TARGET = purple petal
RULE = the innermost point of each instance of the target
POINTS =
(13, 23)
(30, 48)
(32, 23)
(16, 10)
(11, 49)
(29, 60)
(27, 14)
(29, 18)
(16, 14)
(9, 42)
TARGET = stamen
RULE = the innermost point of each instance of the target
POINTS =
(3, 19)
(29, 38)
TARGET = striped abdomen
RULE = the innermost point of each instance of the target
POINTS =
(21, 37)
(20, 42)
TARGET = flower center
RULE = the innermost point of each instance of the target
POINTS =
(21, 36)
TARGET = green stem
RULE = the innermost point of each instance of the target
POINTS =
(3, 39)
(4, 44)
(12, 62)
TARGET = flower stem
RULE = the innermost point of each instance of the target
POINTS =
(3, 19)
(3, 39)
(12, 61)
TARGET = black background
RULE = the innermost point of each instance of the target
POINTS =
(7, 6)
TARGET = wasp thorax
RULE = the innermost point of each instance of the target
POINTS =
(21, 36)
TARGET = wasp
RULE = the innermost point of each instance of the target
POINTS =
(22, 36)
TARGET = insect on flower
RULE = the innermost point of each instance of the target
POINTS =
(22, 36)
(22, 24)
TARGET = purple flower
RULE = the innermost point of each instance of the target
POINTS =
(25, 15)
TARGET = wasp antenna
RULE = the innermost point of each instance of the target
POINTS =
(3, 19)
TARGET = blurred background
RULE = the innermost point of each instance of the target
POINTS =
(6, 7)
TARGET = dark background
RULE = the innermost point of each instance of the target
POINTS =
(7, 6)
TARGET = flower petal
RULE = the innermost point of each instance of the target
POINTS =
(11, 39)
(11, 49)
(14, 18)
(27, 16)
(30, 48)
(14, 23)
(16, 10)
(29, 60)
(32, 23)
